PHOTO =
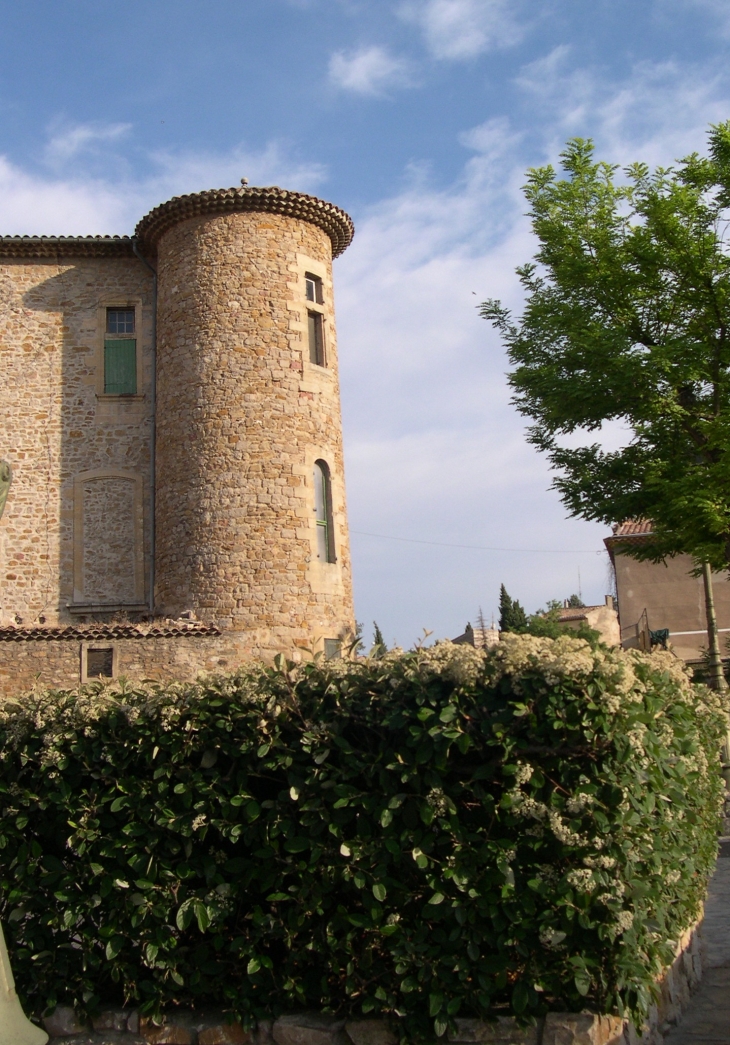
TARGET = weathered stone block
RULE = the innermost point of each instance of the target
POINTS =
(310, 1029)
(111, 1019)
(503, 1031)
(263, 1034)
(582, 1028)
(174, 1032)
(63, 1022)
(371, 1032)
(224, 1034)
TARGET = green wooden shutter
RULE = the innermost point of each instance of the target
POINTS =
(120, 367)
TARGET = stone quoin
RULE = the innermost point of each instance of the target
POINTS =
(171, 423)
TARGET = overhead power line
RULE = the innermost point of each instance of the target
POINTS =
(480, 547)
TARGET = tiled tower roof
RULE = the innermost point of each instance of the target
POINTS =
(332, 220)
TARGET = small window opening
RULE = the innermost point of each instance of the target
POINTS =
(120, 353)
(313, 285)
(100, 663)
(323, 512)
(316, 339)
(332, 649)
(120, 321)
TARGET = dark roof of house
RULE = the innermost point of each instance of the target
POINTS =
(105, 631)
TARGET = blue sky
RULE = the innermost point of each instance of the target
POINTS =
(419, 117)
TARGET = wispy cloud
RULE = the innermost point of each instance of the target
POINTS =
(661, 111)
(434, 449)
(368, 70)
(67, 142)
(459, 29)
(76, 200)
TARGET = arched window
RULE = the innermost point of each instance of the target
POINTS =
(323, 512)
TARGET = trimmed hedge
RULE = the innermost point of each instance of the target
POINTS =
(427, 834)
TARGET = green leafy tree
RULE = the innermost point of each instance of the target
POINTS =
(627, 319)
(512, 616)
(575, 602)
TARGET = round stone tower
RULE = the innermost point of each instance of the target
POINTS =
(251, 524)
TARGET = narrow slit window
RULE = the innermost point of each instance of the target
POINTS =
(100, 663)
(316, 338)
(323, 512)
(313, 285)
(120, 352)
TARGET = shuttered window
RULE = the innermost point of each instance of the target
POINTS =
(120, 366)
(120, 353)
(323, 512)
(316, 339)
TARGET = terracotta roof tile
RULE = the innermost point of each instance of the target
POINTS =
(65, 246)
(633, 528)
(101, 631)
(335, 222)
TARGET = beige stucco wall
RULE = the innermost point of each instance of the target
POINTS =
(55, 425)
(672, 598)
(242, 417)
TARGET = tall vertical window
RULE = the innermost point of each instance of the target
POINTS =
(313, 287)
(120, 353)
(316, 338)
(323, 512)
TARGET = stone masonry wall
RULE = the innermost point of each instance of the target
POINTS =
(57, 663)
(242, 417)
(53, 422)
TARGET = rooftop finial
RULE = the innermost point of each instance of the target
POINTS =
(244, 181)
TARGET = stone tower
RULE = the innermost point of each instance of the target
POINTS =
(177, 498)
(248, 415)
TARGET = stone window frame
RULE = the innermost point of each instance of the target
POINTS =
(80, 604)
(139, 334)
(98, 644)
(308, 266)
(324, 578)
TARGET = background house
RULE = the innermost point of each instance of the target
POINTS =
(655, 596)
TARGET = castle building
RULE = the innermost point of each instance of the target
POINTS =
(171, 426)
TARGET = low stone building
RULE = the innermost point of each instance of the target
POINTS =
(172, 423)
(658, 597)
(602, 618)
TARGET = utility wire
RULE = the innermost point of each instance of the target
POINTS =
(480, 547)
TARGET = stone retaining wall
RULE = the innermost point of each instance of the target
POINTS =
(126, 1027)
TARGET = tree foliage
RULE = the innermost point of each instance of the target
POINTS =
(512, 616)
(627, 321)
(424, 835)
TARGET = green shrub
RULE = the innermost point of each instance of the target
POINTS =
(425, 834)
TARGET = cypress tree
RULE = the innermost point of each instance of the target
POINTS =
(512, 616)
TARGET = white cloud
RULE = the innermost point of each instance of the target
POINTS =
(80, 202)
(67, 142)
(459, 29)
(434, 449)
(659, 113)
(368, 70)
